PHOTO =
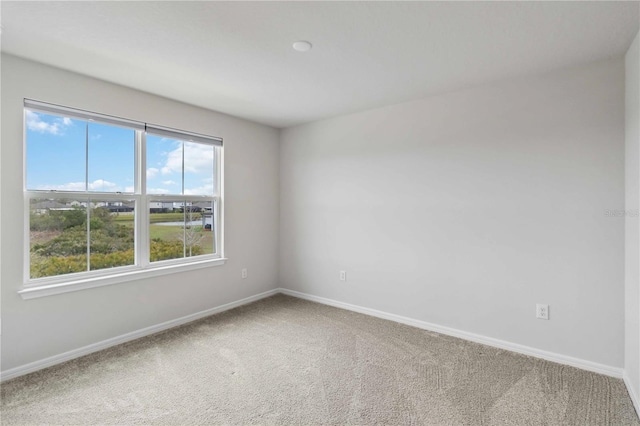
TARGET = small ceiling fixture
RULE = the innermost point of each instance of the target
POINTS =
(302, 46)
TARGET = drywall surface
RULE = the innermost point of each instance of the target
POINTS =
(632, 221)
(35, 329)
(466, 209)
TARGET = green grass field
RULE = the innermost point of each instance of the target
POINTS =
(167, 233)
(153, 217)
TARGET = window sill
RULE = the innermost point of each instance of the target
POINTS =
(82, 284)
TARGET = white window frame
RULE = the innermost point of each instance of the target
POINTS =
(143, 267)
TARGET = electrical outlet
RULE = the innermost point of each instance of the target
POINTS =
(244, 273)
(542, 311)
(343, 275)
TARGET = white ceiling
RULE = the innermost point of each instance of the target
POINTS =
(236, 57)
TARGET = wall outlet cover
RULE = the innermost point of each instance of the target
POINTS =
(542, 311)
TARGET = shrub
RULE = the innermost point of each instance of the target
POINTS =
(173, 249)
(44, 222)
(49, 266)
(71, 218)
(58, 265)
(105, 239)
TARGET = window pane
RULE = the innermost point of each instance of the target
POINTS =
(57, 236)
(56, 152)
(111, 158)
(166, 230)
(204, 225)
(198, 169)
(111, 234)
(57, 155)
(165, 171)
(164, 165)
(180, 229)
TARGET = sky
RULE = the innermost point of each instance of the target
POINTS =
(57, 158)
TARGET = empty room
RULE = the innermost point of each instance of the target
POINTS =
(275, 213)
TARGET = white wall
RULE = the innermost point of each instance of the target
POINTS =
(35, 329)
(463, 210)
(632, 221)
(466, 209)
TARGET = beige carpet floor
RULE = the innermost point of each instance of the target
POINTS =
(287, 361)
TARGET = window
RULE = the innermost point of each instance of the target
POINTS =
(108, 196)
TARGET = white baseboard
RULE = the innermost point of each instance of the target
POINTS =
(76, 353)
(632, 393)
(514, 347)
(489, 341)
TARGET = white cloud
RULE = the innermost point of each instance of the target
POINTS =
(129, 189)
(36, 124)
(157, 191)
(101, 184)
(198, 158)
(96, 185)
(152, 172)
(71, 186)
(168, 182)
(200, 190)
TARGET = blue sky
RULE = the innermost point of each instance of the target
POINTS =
(56, 158)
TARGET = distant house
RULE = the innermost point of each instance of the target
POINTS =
(120, 206)
(161, 207)
(82, 204)
(43, 207)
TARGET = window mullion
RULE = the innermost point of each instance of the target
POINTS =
(89, 235)
(182, 177)
(86, 188)
(184, 210)
(86, 157)
(218, 214)
(142, 203)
